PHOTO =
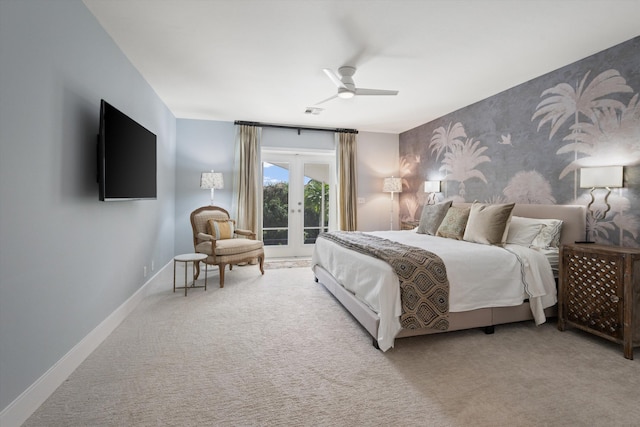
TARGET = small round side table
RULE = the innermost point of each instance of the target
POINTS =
(186, 259)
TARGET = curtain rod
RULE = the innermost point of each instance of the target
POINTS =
(298, 128)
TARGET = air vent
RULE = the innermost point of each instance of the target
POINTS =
(313, 110)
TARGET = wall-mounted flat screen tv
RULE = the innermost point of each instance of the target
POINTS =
(126, 157)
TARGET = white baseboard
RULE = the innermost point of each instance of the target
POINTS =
(18, 411)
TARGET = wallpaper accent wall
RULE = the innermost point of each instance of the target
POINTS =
(528, 143)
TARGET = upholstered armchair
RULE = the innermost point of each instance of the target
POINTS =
(214, 234)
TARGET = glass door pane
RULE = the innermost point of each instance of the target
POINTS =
(316, 201)
(298, 202)
(275, 204)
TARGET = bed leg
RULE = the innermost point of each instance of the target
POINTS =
(489, 329)
(375, 344)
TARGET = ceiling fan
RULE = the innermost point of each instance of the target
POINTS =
(347, 88)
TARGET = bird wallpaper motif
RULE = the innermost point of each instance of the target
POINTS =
(528, 144)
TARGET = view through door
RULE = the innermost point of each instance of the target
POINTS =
(298, 201)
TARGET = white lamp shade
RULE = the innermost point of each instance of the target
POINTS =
(432, 186)
(209, 180)
(600, 177)
(392, 185)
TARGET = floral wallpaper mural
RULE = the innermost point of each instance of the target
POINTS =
(528, 144)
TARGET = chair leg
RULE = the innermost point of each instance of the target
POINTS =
(195, 277)
(221, 268)
(261, 260)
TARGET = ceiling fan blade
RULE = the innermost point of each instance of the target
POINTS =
(375, 92)
(334, 77)
(325, 100)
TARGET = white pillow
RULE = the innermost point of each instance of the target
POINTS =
(547, 237)
(522, 231)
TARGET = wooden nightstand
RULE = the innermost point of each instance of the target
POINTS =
(408, 225)
(599, 292)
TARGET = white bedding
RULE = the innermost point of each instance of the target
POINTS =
(553, 256)
(479, 276)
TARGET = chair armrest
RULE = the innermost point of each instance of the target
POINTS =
(247, 233)
(206, 237)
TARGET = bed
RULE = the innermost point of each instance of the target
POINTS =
(368, 287)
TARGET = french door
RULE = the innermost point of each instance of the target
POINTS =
(298, 200)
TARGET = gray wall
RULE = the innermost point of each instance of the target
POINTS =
(67, 261)
(377, 159)
(202, 145)
(527, 144)
(290, 139)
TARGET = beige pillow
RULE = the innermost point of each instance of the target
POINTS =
(221, 229)
(454, 223)
(487, 223)
(431, 218)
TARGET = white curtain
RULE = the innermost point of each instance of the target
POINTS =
(248, 180)
(347, 179)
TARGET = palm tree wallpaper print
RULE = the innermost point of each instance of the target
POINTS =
(528, 143)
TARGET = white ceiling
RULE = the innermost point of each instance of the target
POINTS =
(262, 60)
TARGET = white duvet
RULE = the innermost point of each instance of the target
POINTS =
(480, 276)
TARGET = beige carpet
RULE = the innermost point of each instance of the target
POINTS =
(272, 264)
(278, 350)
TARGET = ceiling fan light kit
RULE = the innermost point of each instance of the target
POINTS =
(345, 93)
(347, 88)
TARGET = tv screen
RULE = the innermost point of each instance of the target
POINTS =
(126, 157)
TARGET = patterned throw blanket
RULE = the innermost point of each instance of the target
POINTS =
(424, 287)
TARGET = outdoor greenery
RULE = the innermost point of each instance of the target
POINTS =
(276, 208)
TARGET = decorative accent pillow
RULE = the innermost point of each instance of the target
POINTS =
(522, 231)
(221, 229)
(487, 223)
(431, 218)
(549, 235)
(454, 223)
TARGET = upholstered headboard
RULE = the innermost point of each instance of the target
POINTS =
(574, 218)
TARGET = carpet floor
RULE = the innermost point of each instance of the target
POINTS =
(271, 264)
(279, 350)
